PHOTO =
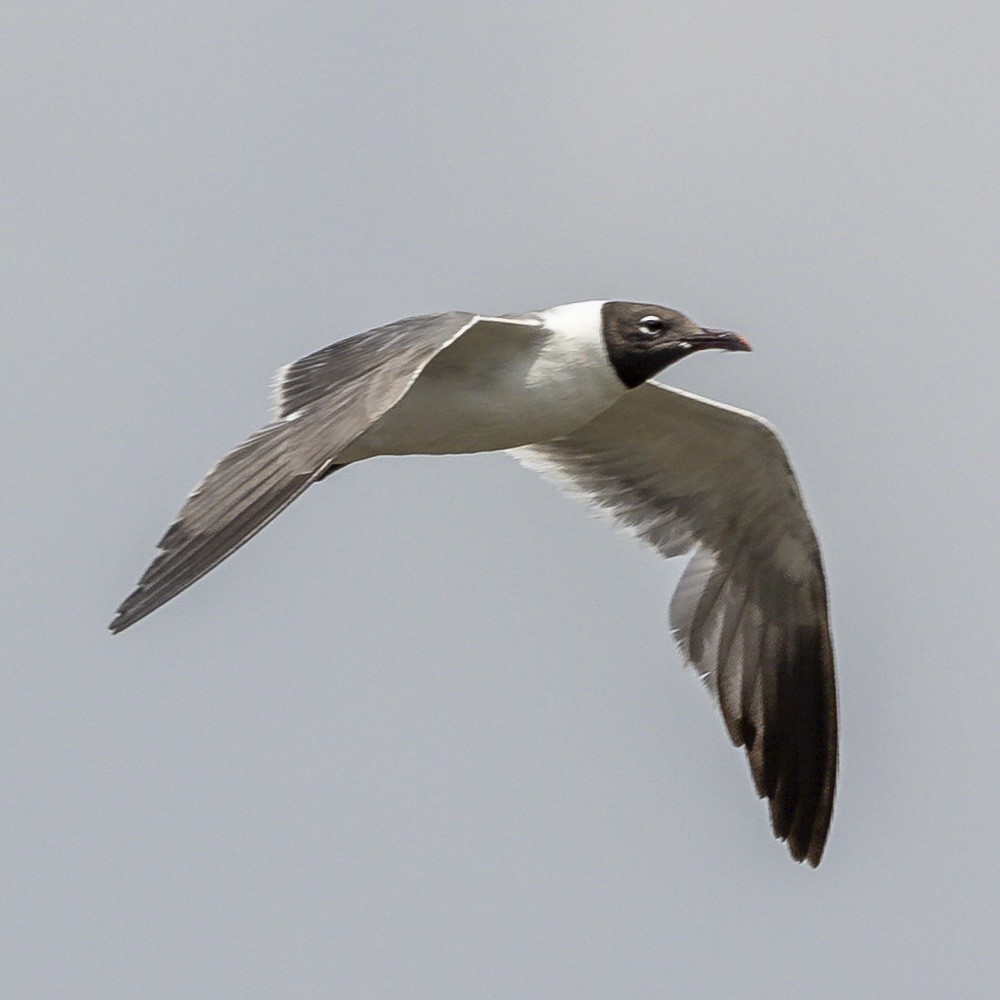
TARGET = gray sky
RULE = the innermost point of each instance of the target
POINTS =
(428, 736)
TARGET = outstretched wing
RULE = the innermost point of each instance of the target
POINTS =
(750, 611)
(325, 400)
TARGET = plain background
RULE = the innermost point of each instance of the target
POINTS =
(428, 735)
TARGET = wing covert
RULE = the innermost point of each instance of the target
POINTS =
(405, 345)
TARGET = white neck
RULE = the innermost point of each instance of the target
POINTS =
(575, 320)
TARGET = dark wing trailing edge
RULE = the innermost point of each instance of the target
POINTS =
(750, 611)
(326, 401)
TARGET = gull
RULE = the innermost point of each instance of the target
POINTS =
(567, 391)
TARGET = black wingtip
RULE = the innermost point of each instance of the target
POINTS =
(243, 493)
(122, 620)
(127, 613)
(787, 723)
(806, 755)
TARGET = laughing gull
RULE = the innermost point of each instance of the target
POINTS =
(566, 390)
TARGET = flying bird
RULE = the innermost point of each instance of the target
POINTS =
(567, 391)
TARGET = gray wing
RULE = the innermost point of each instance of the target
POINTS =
(325, 401)
(750, 611)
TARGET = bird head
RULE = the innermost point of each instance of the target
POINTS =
(643, 339)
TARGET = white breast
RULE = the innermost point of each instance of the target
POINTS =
(503, 384)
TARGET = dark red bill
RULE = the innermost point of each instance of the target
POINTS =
(726, 340)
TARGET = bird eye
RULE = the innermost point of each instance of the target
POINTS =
(651, 325)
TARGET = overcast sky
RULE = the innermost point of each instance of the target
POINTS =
(428, 735)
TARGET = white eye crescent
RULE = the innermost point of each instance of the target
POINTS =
(651, 325)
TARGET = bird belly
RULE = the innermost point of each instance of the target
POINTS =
(481, 399)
